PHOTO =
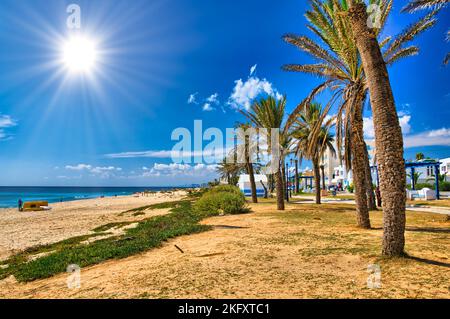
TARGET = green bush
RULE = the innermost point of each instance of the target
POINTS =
(350, 188)
(444, 186)
(226, 189)
(223, 199)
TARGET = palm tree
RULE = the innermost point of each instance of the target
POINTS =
(415, 177)
(248, 158)
(420, 156)
(339, 64)
(388, 133)
(268, 113)
(229, 170)
(416, 5)
(312, 137)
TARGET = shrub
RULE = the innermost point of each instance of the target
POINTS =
(444, 186)
(224, 199)
(350, 188)
(226, 189)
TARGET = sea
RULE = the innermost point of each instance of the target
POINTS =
(9, 196)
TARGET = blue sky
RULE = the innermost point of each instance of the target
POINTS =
(162, 65)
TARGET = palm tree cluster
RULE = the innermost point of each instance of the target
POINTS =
(351, 59)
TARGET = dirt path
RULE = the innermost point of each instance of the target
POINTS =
(303, 253)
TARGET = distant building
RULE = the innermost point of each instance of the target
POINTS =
(335, 170)
(445, 168)
(244, 184)
(427, 173)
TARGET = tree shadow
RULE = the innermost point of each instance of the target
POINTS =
(436, 230)
(229, 227)
(428, 261)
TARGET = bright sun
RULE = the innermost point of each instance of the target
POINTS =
(79, 54)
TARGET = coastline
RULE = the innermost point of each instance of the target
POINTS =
(9, 195)
(22, 230)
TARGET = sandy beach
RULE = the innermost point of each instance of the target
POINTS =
(21, 230)
(304, 252)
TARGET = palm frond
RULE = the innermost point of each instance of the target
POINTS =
(415, 5)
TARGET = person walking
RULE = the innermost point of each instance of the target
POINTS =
(19, 204)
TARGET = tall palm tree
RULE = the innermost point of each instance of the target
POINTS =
(312, 138)
(248, 158)
(416, 5)
(388, 133)
(339, 65)
(268, 113)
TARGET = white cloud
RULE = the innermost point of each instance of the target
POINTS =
(253, 69)
(7, 121)
(193, 98)
(78, 167)
(213, 98)
(245, 92)
(102, 171)
(207, 107)
(181, 170)
(439, 137)
(404, 123)
(219, 152)
(443, 132)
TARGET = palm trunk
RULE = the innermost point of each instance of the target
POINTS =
(317, 179)
(322, 169)
(297, 184)
(283, 172)
(271, 183)
(358, 166)
(249, 166)
(371, 203)
(252, 182)
(279, 189)
(388, 134)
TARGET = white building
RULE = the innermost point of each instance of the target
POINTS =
(445, 168)
(244, 184)
(427, 173)
(335, 170)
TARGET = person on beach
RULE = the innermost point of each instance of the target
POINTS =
(19, 204)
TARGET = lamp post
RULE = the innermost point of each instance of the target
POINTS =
(436, 176)
(287, 182)
(293, 180)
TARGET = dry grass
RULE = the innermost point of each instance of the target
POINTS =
(308, 251)
(439, 203)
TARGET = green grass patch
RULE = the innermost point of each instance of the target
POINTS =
(183, 219)
(141, 209)
(148, 234)
(109, 226)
